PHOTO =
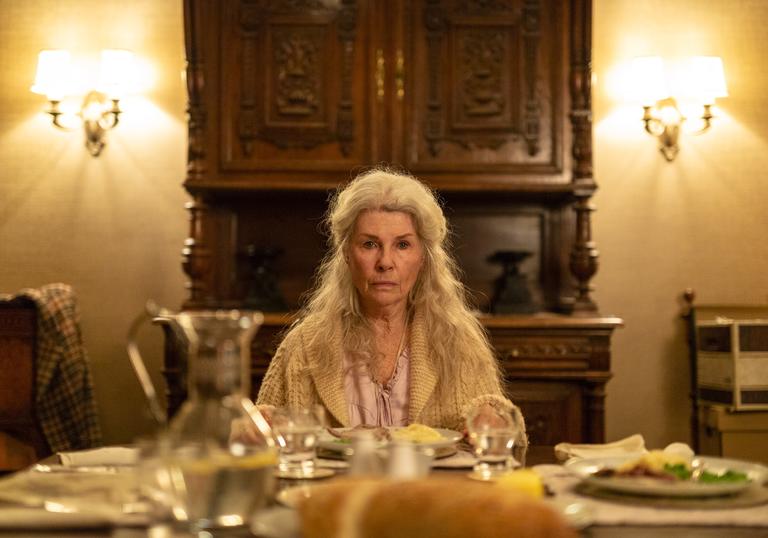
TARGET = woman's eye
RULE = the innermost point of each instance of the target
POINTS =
(369, 244)
(403, 245)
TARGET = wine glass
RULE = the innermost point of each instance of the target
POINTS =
(493, 434)
(297, 430)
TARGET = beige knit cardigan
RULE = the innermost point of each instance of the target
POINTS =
(295, 377)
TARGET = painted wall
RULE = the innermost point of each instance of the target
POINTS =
(113, 226)
(699, 221)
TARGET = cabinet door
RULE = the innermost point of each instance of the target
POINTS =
(294, 89)
(552, 410)
(484, 90)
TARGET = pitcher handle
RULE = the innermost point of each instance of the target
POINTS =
(151, 311)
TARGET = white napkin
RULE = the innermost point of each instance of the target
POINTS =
(629, 446)
(106, 456)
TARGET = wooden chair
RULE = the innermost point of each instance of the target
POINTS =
(21, 439)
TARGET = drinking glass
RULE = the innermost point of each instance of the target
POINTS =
(296, 430)
(406, 460)
(493, 433)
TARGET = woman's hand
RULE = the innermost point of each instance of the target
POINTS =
(266, 411)
(487, 415)
(243, 430)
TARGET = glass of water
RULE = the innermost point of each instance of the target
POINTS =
(493, 433)
(296, 430)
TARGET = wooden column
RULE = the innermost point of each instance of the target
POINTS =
(583, 260)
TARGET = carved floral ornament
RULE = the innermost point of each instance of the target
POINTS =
(482, 60)
(298, 101)
(298, 84)
(483, 81)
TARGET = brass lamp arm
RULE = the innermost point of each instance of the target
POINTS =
(706, 118)
(56, 114)
(95, 116)
(653, 125)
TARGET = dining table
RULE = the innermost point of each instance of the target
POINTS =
(537, 457)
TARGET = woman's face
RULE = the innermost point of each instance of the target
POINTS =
(384, 258)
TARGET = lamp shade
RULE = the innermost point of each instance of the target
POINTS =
(648, 82)
(700, 80)
(707, 78)
(117, 72)
(53, 78)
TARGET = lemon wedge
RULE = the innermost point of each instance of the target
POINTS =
(524, 481)
(215, 462)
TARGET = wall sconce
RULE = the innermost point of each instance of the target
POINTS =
(697, 81)
(100, 108)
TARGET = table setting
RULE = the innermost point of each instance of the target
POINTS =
(615, 486)
(116, 489)
(224, 466)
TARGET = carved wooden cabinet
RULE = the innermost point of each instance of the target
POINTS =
(556, 368)
(488, 101)
(466, 94)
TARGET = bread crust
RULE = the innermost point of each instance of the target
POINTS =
(427, 508)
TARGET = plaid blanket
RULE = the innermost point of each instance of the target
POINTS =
(64, 399)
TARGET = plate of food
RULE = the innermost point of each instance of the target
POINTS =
(661, 474)
(340, 441)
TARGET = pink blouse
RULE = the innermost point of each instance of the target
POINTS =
(373, 404)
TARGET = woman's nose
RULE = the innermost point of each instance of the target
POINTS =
(384, 262)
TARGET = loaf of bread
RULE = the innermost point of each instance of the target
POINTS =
(426, 508)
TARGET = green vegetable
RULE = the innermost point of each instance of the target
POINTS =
(728, 476)
(679, 470)
(682, 472)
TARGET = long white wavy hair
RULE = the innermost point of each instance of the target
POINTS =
(453, 331)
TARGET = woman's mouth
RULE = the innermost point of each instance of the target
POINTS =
(383, 284)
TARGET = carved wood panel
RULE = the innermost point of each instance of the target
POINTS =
(294, 94)
(487, 78)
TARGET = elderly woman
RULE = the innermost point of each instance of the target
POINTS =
(386, 337)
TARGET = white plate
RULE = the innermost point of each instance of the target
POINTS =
(331, 443)
(646, 486)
